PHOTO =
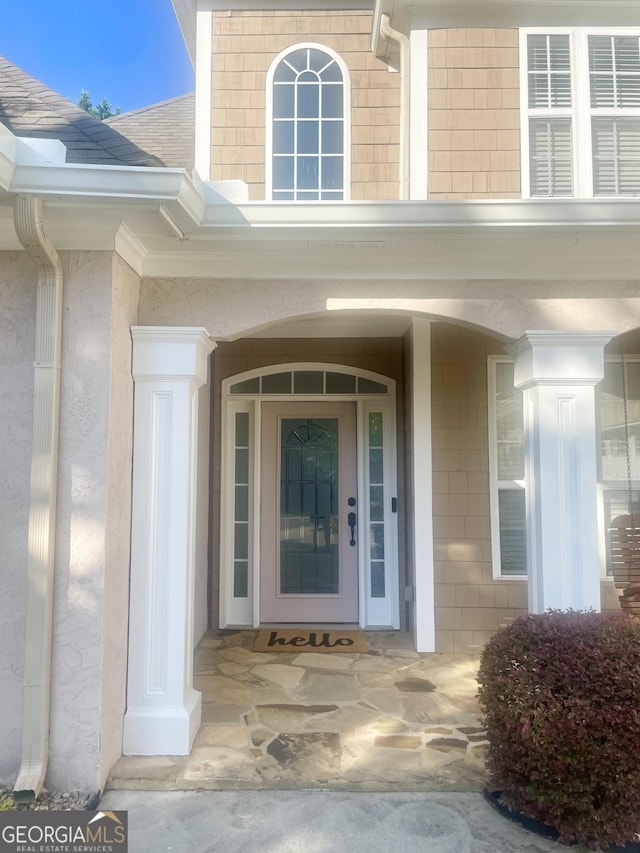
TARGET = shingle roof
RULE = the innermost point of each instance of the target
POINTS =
(166, 129)
(29, 108)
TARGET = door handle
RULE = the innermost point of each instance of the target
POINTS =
(351, 521)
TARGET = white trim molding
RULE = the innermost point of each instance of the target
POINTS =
(375, 610)
(558, 372)
(422, 486)
(204, 50)
(419, 115)
(163, 710)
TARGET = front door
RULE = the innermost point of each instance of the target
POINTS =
(308, 527)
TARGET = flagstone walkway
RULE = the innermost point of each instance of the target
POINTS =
(390, 719)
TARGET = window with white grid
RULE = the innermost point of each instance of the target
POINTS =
(308, 108)
(581, 99)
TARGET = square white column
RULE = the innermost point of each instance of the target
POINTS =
(163, 710)
(558, 372)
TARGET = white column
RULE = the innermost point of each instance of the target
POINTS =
(422, 486)
(558, 372)
(163, 710)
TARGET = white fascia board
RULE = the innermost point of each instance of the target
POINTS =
(281, 5)
(81, 179)
(505, 13)
(185, 12)
(115, 183)
(434, 215)
(7, 157)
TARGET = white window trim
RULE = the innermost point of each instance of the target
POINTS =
(494, 484)
(346, 79)
(375, 613)
(580, 111)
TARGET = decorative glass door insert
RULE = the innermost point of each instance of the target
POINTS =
(309, 506)
(309, 514)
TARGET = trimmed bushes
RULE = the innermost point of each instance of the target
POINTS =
(561, 694)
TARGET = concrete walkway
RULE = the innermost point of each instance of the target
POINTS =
(386, 720)
(318, 822)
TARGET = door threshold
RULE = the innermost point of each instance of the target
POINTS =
(326, 626)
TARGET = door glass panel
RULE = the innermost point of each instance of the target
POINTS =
(309, 506)
(376, 504)
(241, 519)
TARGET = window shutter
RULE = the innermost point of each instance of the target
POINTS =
(614, 68)
(549, 60)
(550, 157)
(513, 540)
(616, 155)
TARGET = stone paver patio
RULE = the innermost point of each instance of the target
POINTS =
(390, 719)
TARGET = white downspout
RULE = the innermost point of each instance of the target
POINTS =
(42, 510)
(391, 35)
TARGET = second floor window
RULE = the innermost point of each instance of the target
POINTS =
(583, 106)
(308, 99)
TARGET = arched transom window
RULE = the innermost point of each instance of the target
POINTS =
(309, 99)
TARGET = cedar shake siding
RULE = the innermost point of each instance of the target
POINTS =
(474, 115)
(244, 46)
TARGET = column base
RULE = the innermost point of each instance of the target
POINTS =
(162, 731)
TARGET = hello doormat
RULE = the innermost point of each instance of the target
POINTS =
(293, 640)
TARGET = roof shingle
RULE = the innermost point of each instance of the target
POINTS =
(166, 129)
(29, 108)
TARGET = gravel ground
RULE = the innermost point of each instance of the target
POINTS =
(51, 801)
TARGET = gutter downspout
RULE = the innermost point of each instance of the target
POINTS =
(42, 510)
(390, 35)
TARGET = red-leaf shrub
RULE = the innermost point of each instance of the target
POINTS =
(561, 694)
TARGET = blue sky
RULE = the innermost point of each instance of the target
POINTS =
(127, 51)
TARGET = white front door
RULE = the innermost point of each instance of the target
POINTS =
(308, 527)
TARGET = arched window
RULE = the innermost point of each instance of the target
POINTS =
(308, 103)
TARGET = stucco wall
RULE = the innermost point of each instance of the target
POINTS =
(17, 347)
(245, 43)
(118, 445)
(94, 473)
(506, 307)
(92, 549)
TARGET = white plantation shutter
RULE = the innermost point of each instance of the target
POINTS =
(550, 101)
(513, 534)
(550, 157)
(614, 72)
(549, 59)
(583, 112)
(616, 155)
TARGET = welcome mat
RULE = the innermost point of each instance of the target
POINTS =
(310, 640)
